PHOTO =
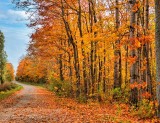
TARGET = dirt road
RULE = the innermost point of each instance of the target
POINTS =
(32, 105)
(37, 105)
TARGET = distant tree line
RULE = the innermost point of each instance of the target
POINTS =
(6, 69)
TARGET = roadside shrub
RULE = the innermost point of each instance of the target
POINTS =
(61, 88)
(7, 86)
(82, 99)
(7, 89)
(121, 95)
(117, 93)
(145, 109)
(97, 97)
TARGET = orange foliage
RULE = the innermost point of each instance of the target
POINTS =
(9, 73)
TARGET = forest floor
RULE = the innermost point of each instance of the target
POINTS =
(37, 105)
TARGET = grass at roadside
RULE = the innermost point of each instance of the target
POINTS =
(35, 84)
(8, 89)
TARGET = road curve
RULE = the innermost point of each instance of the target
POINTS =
(31, 105)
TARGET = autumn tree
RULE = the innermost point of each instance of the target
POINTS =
(117, 52)
(2, 57)
(9, 72)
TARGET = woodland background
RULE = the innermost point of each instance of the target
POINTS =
(100, 50)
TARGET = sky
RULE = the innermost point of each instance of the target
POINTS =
(13, 24)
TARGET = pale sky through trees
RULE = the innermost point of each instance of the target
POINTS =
(13, 25)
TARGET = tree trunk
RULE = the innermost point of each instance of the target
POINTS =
(61, 67)
(117, 53)
(133, 74)
(104, 69)
(75, 50)
(149, 77)
(82, 48)
(157, 42)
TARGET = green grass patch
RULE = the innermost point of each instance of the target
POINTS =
(8, 89)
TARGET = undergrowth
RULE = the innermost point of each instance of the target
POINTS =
(8, 89)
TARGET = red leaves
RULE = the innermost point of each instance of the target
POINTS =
(142, 86)
(138, 85)
(132, 60)
(146, 95)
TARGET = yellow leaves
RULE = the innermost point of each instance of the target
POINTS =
(143, 66)
(9, 72)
